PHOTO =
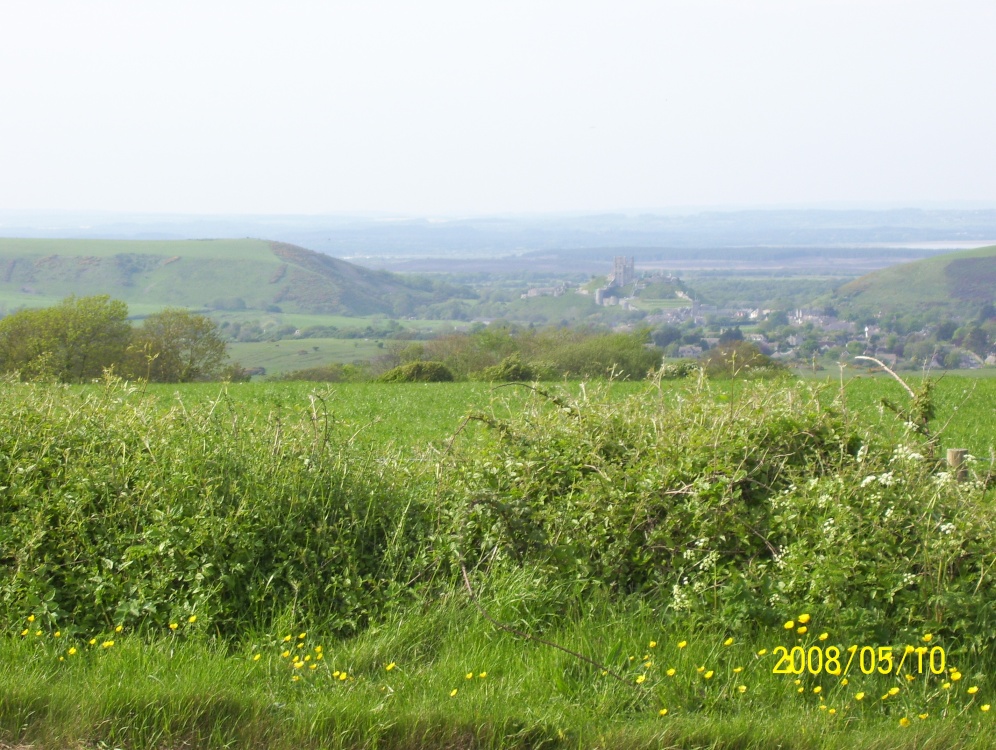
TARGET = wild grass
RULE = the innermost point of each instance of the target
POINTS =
(617, 524)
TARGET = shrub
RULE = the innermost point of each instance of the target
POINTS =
(418, 372)
(509, 370)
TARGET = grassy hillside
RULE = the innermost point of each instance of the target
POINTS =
(205, 274)
(958, 283)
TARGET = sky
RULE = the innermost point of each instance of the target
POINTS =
(477, 107)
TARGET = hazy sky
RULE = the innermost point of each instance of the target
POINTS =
(470, 107)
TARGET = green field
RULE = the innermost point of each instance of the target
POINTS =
(634, 553)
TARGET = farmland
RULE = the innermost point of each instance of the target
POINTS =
(276, 565)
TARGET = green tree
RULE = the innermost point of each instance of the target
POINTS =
(72, 342)
(177, 346)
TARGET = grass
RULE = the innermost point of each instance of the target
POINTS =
(444, 677)
(295, 354)
(199, 685)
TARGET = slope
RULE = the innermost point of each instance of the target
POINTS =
(206, 274)
(954, 283)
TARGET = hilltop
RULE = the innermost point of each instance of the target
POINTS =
(956, 284)
(245, 274)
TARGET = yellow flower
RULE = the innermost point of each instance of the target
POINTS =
(708, 675)
(307, 657)
(93, 641)
(801, 690)
(923, 716)
(287, 638)
(653, 644)
(832, 711)
(801, 629)
(390, 666)
(798, 682)
(663, 712)
(37, 633)
(285, 654)
(470, 675)
(192, 619)
(645, 657)
(31, 618)
(320, 657)
(57, 634)
(904, 722)
(762, 652)
(173, 626)
(343, 676)
(312, 666)
(910, 678)
(701, 669)
(859, 696)
(482, 675)
(728, 642)
(817, 689)
(300, 645)
(119, 628)
(670, 672)
(928, 637)
(640, 680)
(973, 690)
(72, 650)
(738, 670)
(955, 676)
(844, 681)
(803, 619)
(789, 625)
(824, 636)
(24, 632)
(893, 691)
(302, 636)
(298, 664)
(682, 644)
(453, 692)
(318, 649)
(107, 644)
(295, 678)
(257, 657)
(742, 689)
(946, 686)
(984, 707)
(908, 650)
(823, 707)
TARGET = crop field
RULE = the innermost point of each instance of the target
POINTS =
(602, 565)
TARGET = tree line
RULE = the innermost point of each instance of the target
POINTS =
(78, 339)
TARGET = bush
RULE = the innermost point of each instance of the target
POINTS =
(117, 510)
(418, 372)
(738, 507)
(735, 359)
(509, 370)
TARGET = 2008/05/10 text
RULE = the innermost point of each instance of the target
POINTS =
(869, 659)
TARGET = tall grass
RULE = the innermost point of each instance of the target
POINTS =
(165, 558)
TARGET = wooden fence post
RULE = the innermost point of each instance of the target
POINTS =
(956, 462)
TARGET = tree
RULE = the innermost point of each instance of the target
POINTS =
(72, 342)
(177, 346)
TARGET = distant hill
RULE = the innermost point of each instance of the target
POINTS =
(955, 283)
(206, 274)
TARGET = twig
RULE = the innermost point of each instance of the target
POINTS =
(528, 637)
(886, 368)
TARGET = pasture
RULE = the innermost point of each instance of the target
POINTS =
(452, 565)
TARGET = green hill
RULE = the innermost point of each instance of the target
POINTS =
(206, 274)
(954, 283)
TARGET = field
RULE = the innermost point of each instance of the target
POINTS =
(607, 565)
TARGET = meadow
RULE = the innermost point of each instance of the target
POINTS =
(614, 565)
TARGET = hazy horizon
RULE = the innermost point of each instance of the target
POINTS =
(450, 109)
